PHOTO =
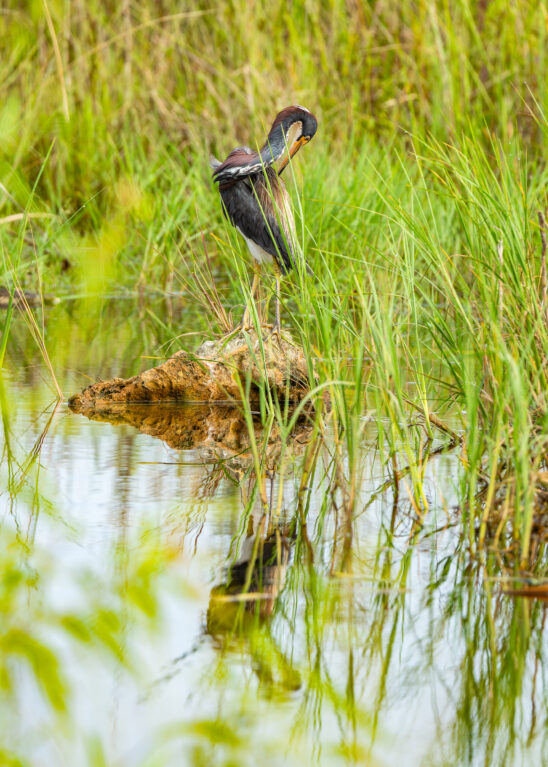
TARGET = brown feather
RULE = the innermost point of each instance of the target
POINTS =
(274, 200)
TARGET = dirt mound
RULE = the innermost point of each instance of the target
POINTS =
(230, 369)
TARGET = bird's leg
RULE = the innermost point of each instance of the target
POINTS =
(277, 324)
(256, 278)
(245, 323)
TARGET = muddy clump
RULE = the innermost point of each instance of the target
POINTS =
(219, 371)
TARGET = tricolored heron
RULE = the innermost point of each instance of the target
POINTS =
(256, 201)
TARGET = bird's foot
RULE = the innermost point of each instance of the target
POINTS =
(244, 326)
(275, 332)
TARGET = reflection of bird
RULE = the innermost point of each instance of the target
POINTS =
(254, 580)
(255, 199)
(241, 608)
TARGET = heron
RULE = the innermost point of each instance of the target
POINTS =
(256, 202)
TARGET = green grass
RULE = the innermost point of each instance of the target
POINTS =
(417, 199)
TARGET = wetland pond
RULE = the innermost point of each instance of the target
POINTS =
(153, 613)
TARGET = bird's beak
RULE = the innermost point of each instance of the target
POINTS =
(292, 152)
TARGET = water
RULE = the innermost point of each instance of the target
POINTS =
(125, 637)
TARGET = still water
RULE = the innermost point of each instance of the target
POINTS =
(153, 613)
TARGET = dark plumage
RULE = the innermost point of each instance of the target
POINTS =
(254, 197)
(258, 207)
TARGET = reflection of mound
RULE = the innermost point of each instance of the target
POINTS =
(218, 430)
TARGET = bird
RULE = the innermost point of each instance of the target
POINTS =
(255, 199)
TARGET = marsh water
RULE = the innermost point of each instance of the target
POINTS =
(135, 631)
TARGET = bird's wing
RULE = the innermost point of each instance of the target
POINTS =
(251, 210)
(240, 163)
(243, 161)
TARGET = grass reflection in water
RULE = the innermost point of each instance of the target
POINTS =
(369, 640)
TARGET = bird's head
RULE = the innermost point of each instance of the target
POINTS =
(293, 127)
